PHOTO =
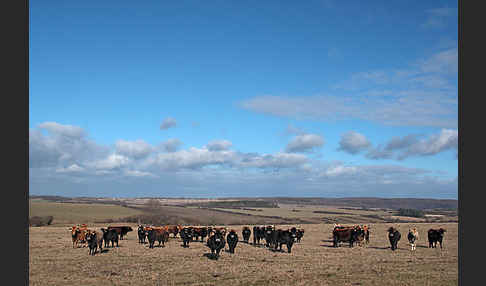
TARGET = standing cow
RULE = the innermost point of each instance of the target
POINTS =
(232, 239)
(186, 235)
(216, 242)
(142, 234)
(95, 240)
(434, 236)
(394, 236)
(160, 235)
(413, 237)
(110, 235)
(246, 234)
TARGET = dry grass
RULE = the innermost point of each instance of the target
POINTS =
(65, 213)
(53, 261)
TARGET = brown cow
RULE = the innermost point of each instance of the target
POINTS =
(174, 229)
(78, 235)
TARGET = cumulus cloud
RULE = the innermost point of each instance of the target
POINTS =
(411, 145)
(134, 149)
(171, 145)
(353, 142)
(63, 130)
(219, 145)
(424, 93)
(304, 143)
(169, 122)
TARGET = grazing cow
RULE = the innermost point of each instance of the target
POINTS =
(346, 234)
(121, 230)
(246, 234)
(394, 236)
(281, 237)
(174, 229)
(435, 235)
(216, 242)
(186, 235)
(232, 239)
(157, 234)
(258, 234)
(95, 240)
(200, 232)
(78, 235)
(110, 235)
(366, 229)
(413, 237)
(142, 234)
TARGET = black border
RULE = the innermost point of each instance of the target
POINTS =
(15, 116)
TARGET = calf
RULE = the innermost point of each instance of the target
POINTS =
(394, 236)
(95, 240)
(413, 237)
(77, 235)
(434, 236)
(110, 235)
(142, 234)
(186, 235)
(216, 242)
(160, 235)
(232, 239)
(246, 234)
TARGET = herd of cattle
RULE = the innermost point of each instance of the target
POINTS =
(267, 236)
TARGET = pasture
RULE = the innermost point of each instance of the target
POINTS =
(53, 261)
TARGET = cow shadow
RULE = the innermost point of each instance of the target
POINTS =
(211, 256)
(378, 247)
(104, 250)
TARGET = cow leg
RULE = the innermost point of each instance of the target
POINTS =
(289, 247)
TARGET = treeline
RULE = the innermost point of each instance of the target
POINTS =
(411, 213)
(236, 204)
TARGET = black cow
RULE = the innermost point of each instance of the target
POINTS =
(269, 236)
(299, 234)
(258, 234)
(186, 235)
(121, 230)
(346, 234)
(281, 237)
(110, 235)
(159, 235)
(246, 234)
(94, 240)
(435, 235)
(216, 242)
(142, 234)
(200, 232)
(394, 236)
(232, 239)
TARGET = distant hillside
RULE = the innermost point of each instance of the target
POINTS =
(272, 202)
(393, 203)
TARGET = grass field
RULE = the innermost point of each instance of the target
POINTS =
(67, 213)
(53, 261)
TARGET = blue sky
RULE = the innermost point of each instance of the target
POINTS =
(321, 98)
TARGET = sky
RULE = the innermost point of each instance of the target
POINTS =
(253, 98)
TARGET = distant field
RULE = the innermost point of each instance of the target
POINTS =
(53, 261)
(78, 213)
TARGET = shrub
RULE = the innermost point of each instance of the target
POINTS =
(411, 213)
(40, 220)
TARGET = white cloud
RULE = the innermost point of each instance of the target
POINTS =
(171, 145)
(168, 122)
(353, 142)
(304, 143)
(219, 145)
(134, 149)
